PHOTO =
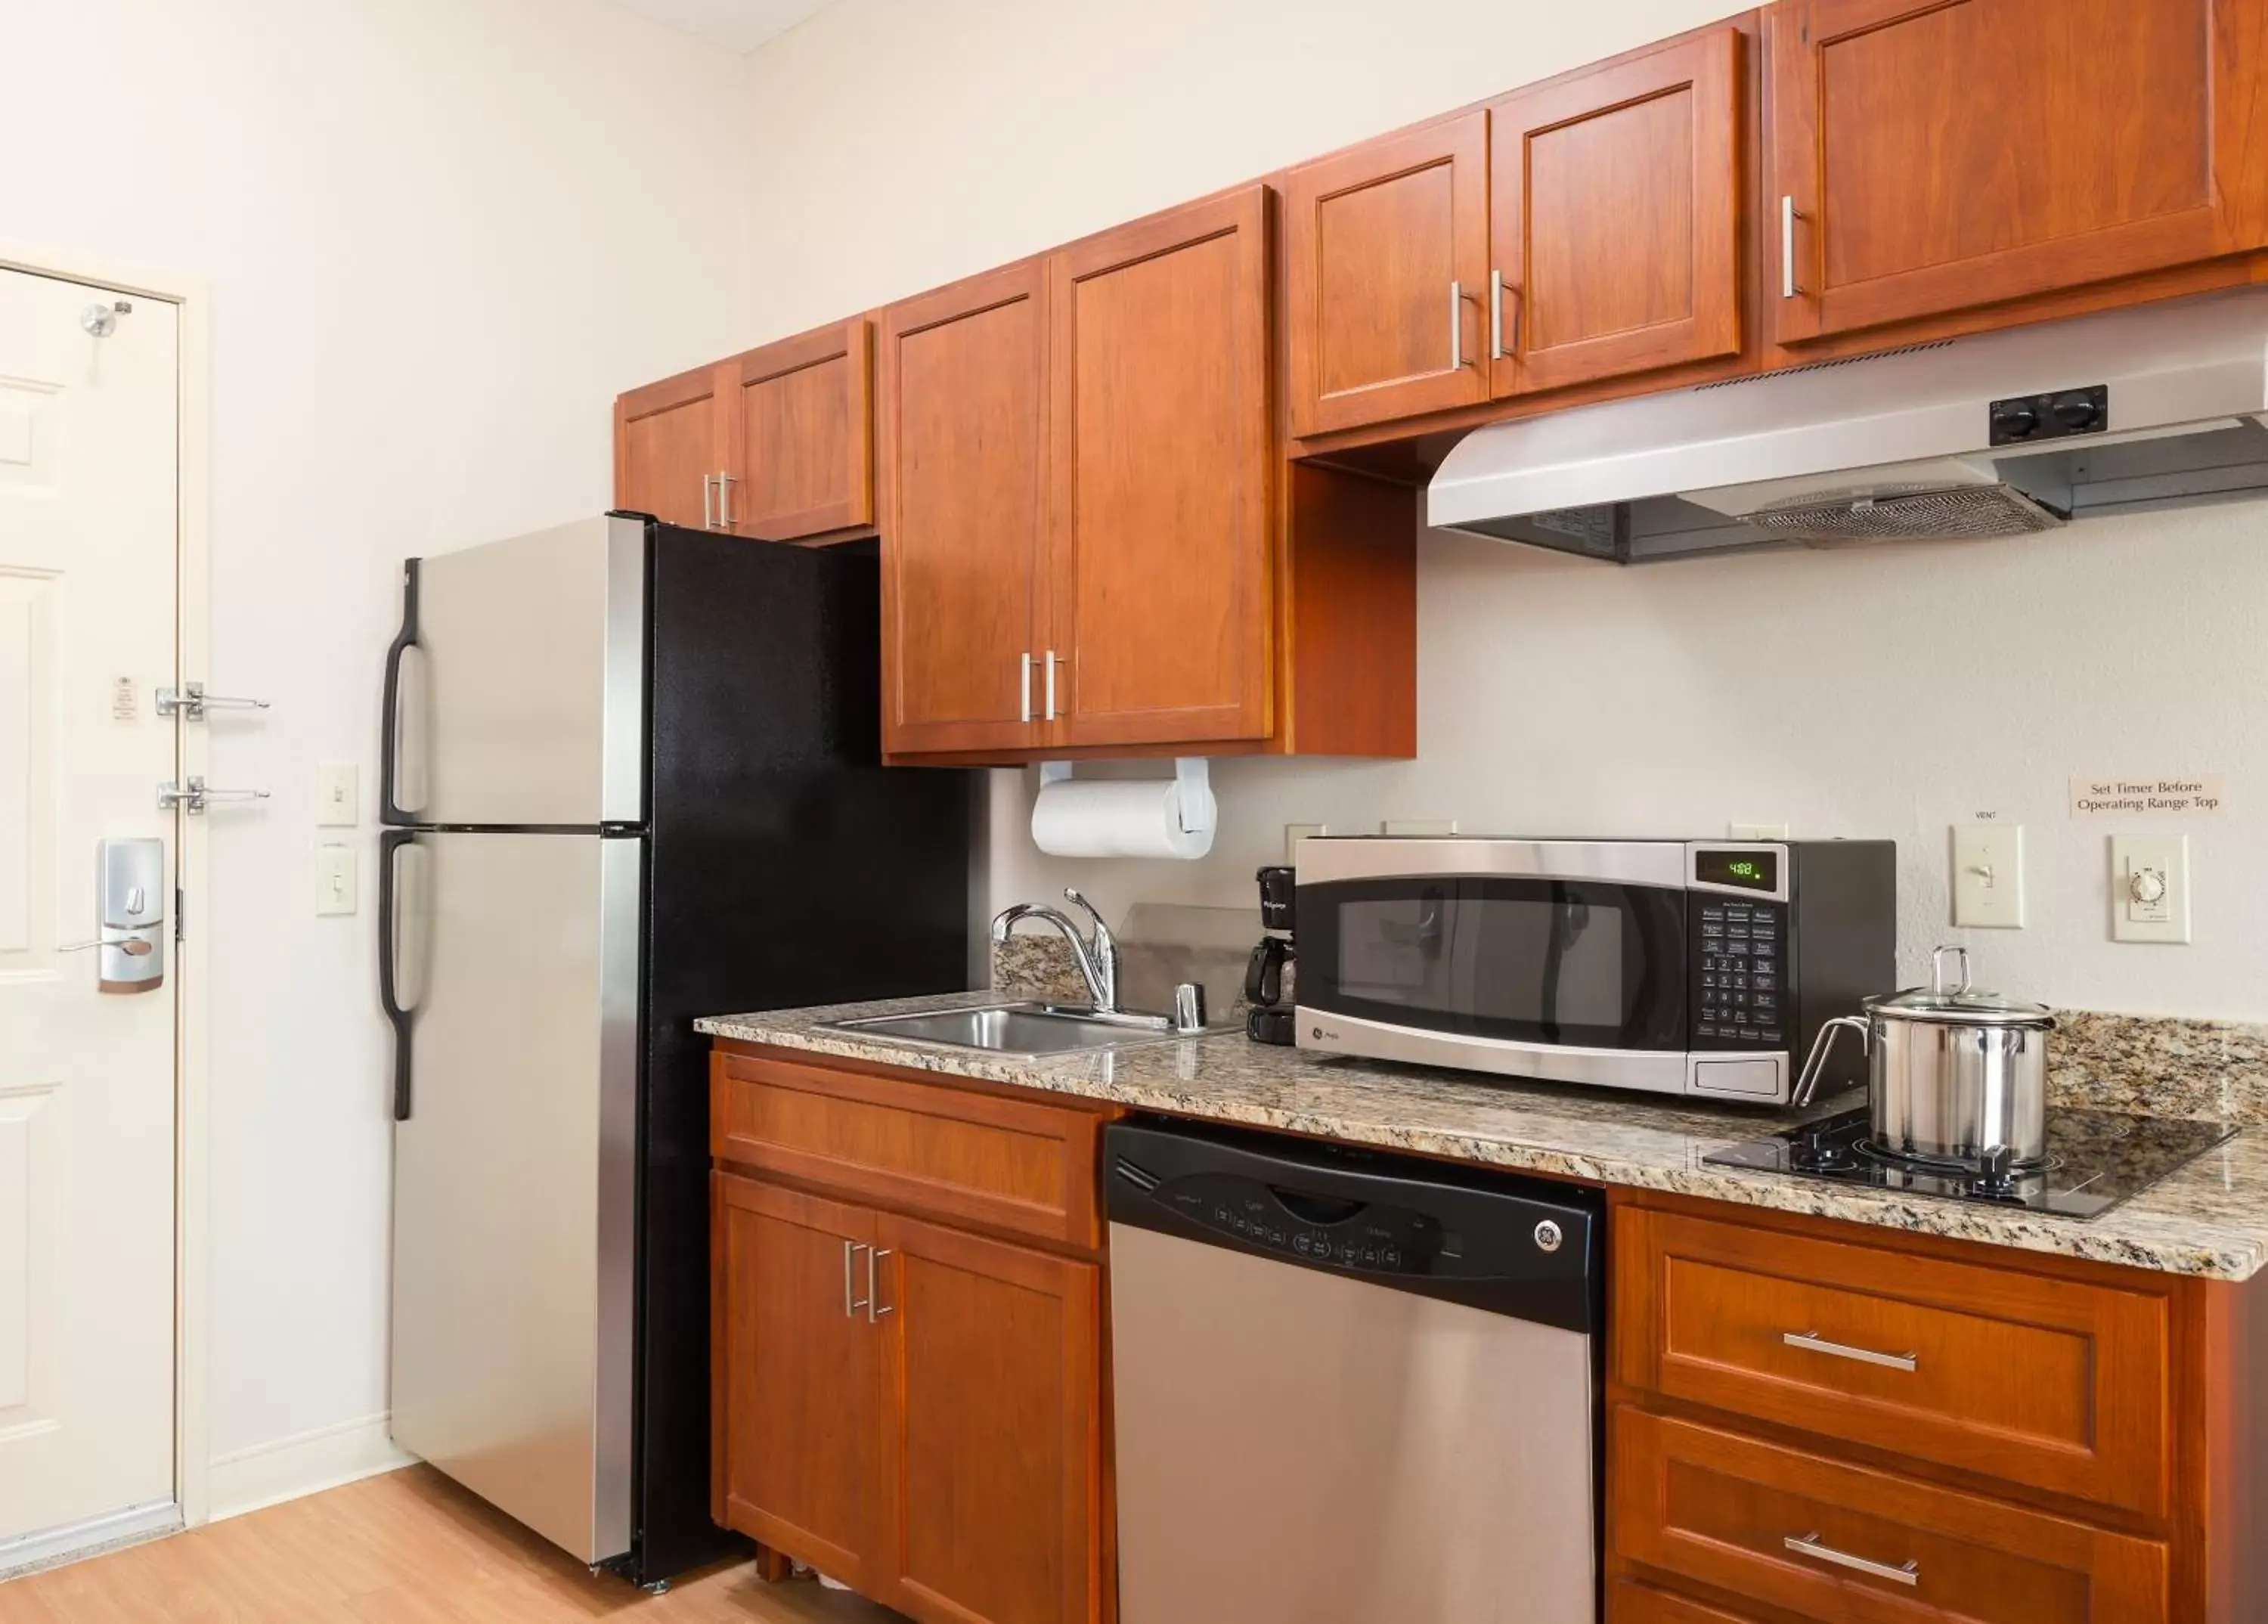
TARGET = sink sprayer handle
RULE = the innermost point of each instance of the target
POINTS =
(1807, 1084)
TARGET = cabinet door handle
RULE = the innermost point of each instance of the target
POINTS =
(708, 501)
(1051, 684)
(1808, 1545)
(1456, 326)
(1812, 1342)
(851, 1301)
(1496, 315)
(875, 1311)
(1024, 684)
(1787, 219)
(724, 501)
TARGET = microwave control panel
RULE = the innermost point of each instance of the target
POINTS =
(1739, 994)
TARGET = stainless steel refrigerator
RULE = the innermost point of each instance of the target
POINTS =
(631, 775)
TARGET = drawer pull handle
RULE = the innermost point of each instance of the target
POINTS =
(1812, 1342)
(1808, 1545)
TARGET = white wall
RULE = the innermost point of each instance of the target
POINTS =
(899, 143)
(439, 236)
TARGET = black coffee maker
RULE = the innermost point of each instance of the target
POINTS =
(1269, 1020)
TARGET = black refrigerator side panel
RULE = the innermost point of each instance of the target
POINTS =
(789, 867)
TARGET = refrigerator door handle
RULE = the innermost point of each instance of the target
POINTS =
(400, 1017)
(389, 747)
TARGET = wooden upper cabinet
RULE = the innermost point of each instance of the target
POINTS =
(1387, 254)
(806, 462)
(1616, 217)
(1159, 566)
(1939, 157)
(796, 1370)
(963, 442)
(993, 1459)
(672, 441)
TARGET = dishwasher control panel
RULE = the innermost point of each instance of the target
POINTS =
(1354, 1234)
(1500, 1241)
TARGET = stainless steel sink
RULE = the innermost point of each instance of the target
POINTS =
(1024, 1029)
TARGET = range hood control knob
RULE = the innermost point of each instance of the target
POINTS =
(2077, 410)
(2014, 420)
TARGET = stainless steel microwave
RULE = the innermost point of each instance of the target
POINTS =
(1694, 967)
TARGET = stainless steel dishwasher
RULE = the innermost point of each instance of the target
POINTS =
(1350, 1388)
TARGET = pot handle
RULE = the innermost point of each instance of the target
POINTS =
(1937, 970)
(1807, 1084)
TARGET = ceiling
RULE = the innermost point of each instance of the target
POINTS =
(736, 25)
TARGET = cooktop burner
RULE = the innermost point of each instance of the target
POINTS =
(2095, 1160)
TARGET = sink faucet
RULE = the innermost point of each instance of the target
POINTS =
(1098, 959)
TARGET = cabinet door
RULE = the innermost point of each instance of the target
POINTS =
(993, 1453)
(964, 462)
(1388, 246)
(807, 451)
(1616, 219)
(672, 441)
(796, 1377)
(1931, 157)
(1159, 561)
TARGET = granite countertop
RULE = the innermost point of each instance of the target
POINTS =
(2210, 1218)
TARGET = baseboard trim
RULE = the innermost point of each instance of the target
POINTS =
(304, 1463)
(53, 1547)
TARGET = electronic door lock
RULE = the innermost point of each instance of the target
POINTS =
(129, 879)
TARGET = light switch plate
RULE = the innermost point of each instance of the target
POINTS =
(336, 801)
(335, 878)
(1988, 875)
(1412, 828)
(2150, 887)
(1293, 833)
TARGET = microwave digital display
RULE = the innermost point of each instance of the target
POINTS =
(1753, 871)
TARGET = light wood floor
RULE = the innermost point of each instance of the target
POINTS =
(408, 1547)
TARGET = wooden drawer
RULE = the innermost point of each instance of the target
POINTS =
(2056, 1383)
(1642, 1604)
(1728, 1511)
(1011, 1164)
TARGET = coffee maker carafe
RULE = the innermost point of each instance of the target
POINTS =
(1269, 979)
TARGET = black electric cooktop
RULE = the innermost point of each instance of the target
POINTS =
(2095, 1160)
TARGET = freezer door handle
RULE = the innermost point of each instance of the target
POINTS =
(389, 746)
(398, 1014)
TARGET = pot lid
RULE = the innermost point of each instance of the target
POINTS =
(1955, 1002)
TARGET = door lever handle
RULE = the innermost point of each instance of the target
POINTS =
(133, 947)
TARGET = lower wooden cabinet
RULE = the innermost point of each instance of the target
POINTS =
(797, 1376)
(907, 1315)
(991, 1455)
(911, 1409)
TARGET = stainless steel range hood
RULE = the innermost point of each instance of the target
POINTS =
(2001, 434)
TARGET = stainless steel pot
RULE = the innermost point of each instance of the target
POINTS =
(1954, 1075)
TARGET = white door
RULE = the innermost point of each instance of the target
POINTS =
(88, 451)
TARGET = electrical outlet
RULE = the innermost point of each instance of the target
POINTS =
(336, 801)
(1988, 875)
(1293, 833)
(335, 879)
(2150, 887)
(1414, 827)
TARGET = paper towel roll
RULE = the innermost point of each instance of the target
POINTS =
(1149, 817)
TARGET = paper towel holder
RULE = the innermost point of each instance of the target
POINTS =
(1195, 806)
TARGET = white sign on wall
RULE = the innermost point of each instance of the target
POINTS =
(2108, 795)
